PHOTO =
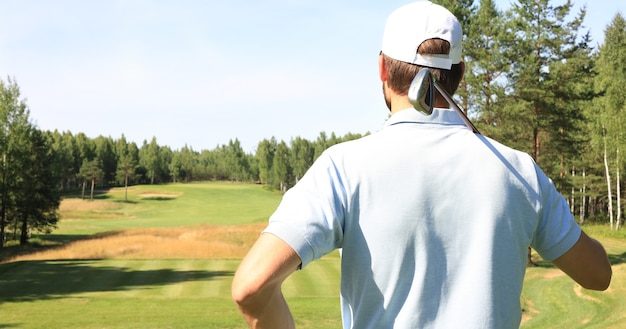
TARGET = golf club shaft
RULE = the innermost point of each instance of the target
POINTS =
(452, 103)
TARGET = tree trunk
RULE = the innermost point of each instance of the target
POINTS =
(593, 207)
(2, 232)
(126, 187)
(83, 193)
(3, 208)
(608, 185)
(573, 194)
(24, 232)
(3, 222)
(618, 193)
(93, 184)
(536, 144)
(583, 200)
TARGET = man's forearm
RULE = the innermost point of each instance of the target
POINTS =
(587, 263)
(256, 287)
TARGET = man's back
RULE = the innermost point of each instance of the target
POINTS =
(435, 226)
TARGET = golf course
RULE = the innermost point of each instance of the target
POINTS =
(165, 257)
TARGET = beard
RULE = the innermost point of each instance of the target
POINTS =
(387, 99)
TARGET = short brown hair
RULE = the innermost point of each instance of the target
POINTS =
(401, 74)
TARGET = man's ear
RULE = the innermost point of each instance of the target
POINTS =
(382, 69)
(462, 69)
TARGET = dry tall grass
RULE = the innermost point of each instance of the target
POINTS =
(76, 209)
(198, 242)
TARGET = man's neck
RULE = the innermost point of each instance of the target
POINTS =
(400, 103)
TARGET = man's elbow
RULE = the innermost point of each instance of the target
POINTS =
(601, 281)
(243, 293)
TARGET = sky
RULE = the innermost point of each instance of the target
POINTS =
(202, 73)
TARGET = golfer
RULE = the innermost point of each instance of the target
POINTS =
(433, 221)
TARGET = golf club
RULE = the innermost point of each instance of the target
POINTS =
(421, 95)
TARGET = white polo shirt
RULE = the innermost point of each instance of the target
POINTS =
(433, 221)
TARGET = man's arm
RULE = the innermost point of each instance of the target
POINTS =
(257, 283)
(587, 263)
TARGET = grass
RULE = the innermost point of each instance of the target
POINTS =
(555, 301)
(128, 293)
(165, 259)
(171, 205)
(116, 293)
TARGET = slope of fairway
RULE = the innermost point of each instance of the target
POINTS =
(553, 300)
(171, 205)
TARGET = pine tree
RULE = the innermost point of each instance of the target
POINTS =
(27, 182)
(486, 65)
(543, 39)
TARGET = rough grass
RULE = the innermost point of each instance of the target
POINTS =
(198, 242)
(202, 220)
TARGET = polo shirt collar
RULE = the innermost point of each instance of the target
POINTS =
(440, 116)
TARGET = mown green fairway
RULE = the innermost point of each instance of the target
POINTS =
(149, 294)
(195, 293)
(173, 205)
(558, 302)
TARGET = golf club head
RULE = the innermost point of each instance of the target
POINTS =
(421, 92)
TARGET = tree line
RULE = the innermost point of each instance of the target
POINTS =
(38, 167)
(533, 81)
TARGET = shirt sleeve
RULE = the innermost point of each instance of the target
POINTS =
(557, 231)
(310, 215)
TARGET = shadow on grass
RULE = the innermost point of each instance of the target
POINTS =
(126, 201)
(35, 280)
(158, 198)
(617, 259)
(101, 194)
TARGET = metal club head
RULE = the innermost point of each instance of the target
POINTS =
(422, 96)
(422, 92)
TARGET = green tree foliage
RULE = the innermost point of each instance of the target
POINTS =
(542, 32)
(608, 113)
(126, 171)
(302, 156)
(234, 161)
(265, 152)
(487, 62)
(152, 159)
(282, 167)
(28, 184)
(63, 161)
(105, 154)
(90, 171)
(36, 196)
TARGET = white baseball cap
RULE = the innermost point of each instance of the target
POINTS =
(410, 25)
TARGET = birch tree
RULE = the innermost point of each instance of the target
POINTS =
(611, 106)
